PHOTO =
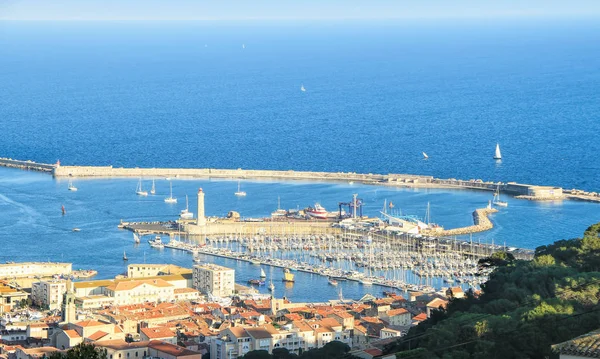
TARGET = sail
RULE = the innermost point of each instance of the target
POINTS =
(497, 155)
(262, 273)
(425, 155)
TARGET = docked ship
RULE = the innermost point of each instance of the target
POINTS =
(156, 243)
(256, 282)
(287, 275)
(317, 211)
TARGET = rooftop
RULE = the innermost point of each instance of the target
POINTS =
(211, 266)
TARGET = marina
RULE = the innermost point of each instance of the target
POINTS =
(102, 205)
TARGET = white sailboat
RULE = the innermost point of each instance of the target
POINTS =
(139, 191)
(279, 212)
(72, 187)
(271, 286)
(185, 213)
(171, 199)
(263, 275)
(239, 192)
(425, 156)
(497, 154)
(153, 189)
(125, 256)
(136, 238)
(497, 200)
(302, 88)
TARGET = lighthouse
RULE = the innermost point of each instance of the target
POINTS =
(201, 217)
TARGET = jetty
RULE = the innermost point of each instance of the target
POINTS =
(481, 223)
(519, 190)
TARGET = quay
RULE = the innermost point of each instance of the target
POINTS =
(526, 191)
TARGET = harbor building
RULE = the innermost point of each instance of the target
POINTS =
(214, 280)
(34, 269)
(48, 293)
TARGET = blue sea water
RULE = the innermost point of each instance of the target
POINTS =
(184, 94)
(165, 94)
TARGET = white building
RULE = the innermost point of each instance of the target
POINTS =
(140, 291)
(214, 279)
(33, 269)
(48, 293)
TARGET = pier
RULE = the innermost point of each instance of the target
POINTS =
(525, 191)
(481, 223)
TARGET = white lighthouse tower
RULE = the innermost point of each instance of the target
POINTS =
(201, 216)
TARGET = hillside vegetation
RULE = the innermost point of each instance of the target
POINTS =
(524, 308)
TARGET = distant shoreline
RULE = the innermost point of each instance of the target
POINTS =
(518, 190)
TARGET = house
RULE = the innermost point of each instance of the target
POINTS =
(397, 317)
(119, 348)
(435, 304)
(37, 330)
(34, 353)
(417, 319)
(67, 338)
(386, 333)
(164, 350)
(582, 347)
(455, 292)
(158, 333)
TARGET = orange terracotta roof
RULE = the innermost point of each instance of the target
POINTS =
(170, 349)
(97, 335)
(157, 333)
(72, 334)
(438, 302)
(420, 317)
(89, 323)
(373, 351)
(395, 312)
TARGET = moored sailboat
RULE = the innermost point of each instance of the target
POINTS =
(185, 213)
(139, 190)
(239, 192)
(171, 199)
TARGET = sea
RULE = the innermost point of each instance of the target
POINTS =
(228, 95)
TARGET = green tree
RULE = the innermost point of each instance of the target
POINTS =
(258, 354)
(81, 351)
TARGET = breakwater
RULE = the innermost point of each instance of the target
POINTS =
(532, 192)
(27, 165)
(481, 223)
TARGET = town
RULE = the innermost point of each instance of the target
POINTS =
(174, 312)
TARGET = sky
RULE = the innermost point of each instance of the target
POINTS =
(228, 10)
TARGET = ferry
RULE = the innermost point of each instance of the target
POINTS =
(317, 211)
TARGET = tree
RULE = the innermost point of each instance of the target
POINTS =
(258, 354)
(81, 351)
